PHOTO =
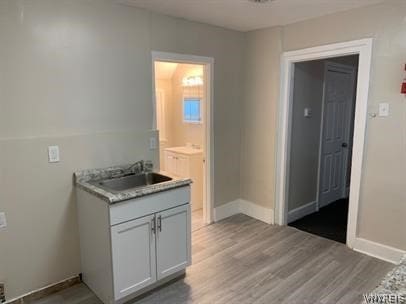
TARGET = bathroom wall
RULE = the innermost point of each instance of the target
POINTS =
(382, 202)
(78, 74)
(182, 132)
(164, 88)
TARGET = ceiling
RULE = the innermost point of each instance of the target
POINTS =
(164, 70)
(244, 15)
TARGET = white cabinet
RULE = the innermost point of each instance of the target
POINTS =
(170, 163)
(179, 161)
(133, 251)
(133, 246)
(184, 164)
(149, 249)
(173, 248)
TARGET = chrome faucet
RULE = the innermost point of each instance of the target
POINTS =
(137, 167)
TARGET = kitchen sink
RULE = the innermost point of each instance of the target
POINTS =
(131, 181)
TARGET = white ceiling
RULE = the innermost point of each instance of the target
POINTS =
(244, 15)
(165, 70)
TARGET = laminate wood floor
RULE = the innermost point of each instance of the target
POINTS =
(242, 260)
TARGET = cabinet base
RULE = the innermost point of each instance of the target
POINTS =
(150, 289)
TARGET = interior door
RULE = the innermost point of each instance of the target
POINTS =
(133, 251)
(173, 240)
(339, 81)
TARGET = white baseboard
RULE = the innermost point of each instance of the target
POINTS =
(255, 211)
(380, 251)
(263, 214)
(302, 211)
(44, 291)
(226, 210)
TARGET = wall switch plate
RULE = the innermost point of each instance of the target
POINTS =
(53, 154)
(152, 143)
(3, 221)
(2, 293)
(307, 112)
(383, 109)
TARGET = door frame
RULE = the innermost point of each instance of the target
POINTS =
(363, 48)
(343, 68)
(208, 63)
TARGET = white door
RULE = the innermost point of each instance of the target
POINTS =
(173, 240)
(339, 81)
(133, 250)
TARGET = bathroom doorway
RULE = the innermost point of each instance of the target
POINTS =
(182, 98)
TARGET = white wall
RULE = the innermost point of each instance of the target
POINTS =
(382, 204)
(78, 74)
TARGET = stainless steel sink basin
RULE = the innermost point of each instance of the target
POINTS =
(131, 181)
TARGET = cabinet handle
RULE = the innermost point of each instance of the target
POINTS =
(160, 223)
(153, 225)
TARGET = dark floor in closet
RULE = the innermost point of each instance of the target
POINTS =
(330, 222)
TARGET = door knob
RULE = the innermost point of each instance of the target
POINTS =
(344, 145)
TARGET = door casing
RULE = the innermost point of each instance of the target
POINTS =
(363, 48)
(208, 63)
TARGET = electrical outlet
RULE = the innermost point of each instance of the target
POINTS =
(2, 293)
(53, 154)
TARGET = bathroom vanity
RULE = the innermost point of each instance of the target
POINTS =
(187, 162)
(135, 231)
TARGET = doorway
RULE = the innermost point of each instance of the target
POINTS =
(182, 104)
(321, 145)
(362, 48)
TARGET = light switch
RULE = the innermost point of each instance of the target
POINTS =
(3, 222)
(53, 154)
(307, 112)
(384, 109)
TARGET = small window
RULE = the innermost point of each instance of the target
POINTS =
(191, 110)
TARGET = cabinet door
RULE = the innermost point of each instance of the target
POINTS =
(170, 163)
(133, 251)
(182, 166)
(173, 240)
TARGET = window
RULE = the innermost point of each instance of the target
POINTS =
(191, 110)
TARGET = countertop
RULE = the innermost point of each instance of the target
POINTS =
(84, 177)
(394, 282)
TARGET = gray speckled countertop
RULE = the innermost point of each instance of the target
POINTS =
(84, 178)
(394, 282)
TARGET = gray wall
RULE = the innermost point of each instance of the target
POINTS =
(305, 134)
(78, 74)
(382, 201)
(261, 91)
